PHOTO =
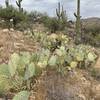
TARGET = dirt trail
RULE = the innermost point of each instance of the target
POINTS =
(14, 41)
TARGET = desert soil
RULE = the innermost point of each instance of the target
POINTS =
(76, 85)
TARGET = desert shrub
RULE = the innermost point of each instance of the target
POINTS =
(23, 25)
(91, 34)
(91, 38)
(11, 13)
(53, 24)
(35, 16)
(94, 28)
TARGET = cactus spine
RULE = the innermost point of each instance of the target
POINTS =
(7, 3)
(78, 26)
(61, 13)
(19, 5)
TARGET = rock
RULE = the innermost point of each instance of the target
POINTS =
(2, 21)
(25, 32)
(96, 92)
(98, 88)
(85, 82)
(11, 29)
(81, 97)
(5, 30)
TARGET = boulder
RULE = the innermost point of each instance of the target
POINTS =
(5, 30)
(11, 29)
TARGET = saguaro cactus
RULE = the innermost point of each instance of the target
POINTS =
(19, 5)
(61, 13)
(61, 17)
(7, 3)
(78, 23)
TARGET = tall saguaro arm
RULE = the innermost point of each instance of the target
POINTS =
(19, 5)
(7, 3)
(78, 22)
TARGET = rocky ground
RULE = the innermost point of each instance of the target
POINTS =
(14, 41)
(76, 85)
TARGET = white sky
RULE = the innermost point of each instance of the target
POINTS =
(89, 8)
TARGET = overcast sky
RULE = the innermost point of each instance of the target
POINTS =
(89, 8)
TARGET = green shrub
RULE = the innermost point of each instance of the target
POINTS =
(92, 27)
(91, 34)
(53, 24)
(91, 39)
(12, 13)
(35, 16)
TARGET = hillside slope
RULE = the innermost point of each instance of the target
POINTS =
(91, 21)
(14, 41)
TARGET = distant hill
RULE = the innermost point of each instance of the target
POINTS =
(91, 21)
(94, 19)
(91, 27)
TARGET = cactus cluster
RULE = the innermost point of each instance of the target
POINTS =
(19, 5)
(23, 68)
